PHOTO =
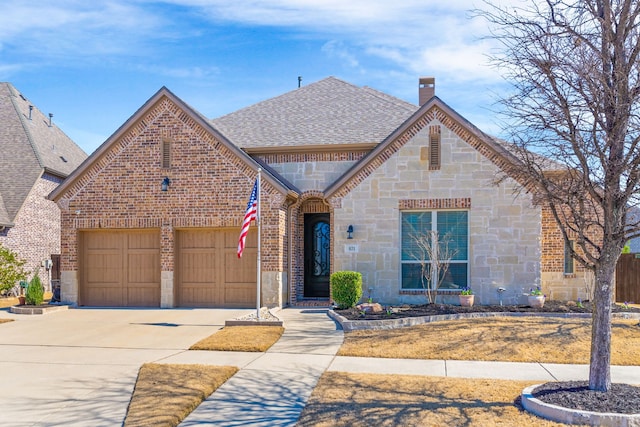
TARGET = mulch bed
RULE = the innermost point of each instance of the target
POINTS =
(399, 312)
(621, 398)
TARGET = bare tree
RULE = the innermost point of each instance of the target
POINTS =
(434, 254)
(575, 72)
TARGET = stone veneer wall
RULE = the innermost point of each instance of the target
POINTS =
(209, 187)
(36, 234)
(504, 228)
(313, 171)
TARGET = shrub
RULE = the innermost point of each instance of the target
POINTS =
(11, 271)
(346, 287)
(35, 292)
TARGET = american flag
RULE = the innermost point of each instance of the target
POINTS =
(250, 214)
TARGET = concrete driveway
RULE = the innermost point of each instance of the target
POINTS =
(78, 367)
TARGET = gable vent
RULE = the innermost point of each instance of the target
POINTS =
(166, 153)
(434, 147)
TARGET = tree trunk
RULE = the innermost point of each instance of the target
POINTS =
(600, 364)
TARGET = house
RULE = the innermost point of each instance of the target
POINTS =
(36, 157)
(152, 218)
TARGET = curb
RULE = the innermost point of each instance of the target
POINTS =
(361, 325)
(19, 309)
(575, 416)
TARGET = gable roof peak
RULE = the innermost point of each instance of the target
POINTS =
(327, 112)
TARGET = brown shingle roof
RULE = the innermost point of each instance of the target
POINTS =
(29, 147)
(330, 111)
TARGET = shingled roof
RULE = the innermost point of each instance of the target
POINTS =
(330, 111)
(29, 148)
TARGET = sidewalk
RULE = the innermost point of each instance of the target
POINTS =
(272, 388)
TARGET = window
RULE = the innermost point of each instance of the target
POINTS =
(443, 235)
(568, 260)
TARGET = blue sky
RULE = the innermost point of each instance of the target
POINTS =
(94, 63)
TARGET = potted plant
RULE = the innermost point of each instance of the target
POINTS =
(466, 297)
(536, 297)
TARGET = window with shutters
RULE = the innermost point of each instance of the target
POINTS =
(166, 154)
(434, 148)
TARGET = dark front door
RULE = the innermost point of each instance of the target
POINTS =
(317, 266)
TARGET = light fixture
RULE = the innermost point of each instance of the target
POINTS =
(165, 183)
(350, 232)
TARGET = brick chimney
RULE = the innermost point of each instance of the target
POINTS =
(426, 89)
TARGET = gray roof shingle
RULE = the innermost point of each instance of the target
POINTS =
(330, 111)
(29, 147)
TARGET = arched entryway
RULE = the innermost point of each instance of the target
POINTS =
(317, 255)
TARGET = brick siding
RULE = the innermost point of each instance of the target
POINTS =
(36, 234)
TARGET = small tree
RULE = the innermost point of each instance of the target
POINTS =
(11, 271)
(434, 255)
(35, 292)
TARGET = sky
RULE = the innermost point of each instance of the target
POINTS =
(94, 63)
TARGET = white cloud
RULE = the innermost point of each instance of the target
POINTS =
(418, 35)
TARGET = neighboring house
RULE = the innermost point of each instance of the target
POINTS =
(36, 157)
(335, 157)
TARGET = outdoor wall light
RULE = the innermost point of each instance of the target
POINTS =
(350, 232)
(165, 183)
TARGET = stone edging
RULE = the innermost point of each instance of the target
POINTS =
(42, 309)
(270, 319)
(574, 416)
(359, 325)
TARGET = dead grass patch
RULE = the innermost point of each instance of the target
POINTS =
(165, 394)
(241, 338)
(6, 320)
(344, 399)
(501, 339)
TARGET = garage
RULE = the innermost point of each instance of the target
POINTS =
(208, 271)
(120, 268)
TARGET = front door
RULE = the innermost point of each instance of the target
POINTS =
(317, 255)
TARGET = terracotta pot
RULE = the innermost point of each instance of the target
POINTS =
(21, 300)
(466, 300)
(536, 301)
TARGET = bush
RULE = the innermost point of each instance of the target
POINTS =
(346, 287)
(11, 271)
(35, 292)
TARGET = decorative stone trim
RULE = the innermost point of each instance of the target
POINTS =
(351, 156)
(460, 203)
(361, 325)
(42, 309)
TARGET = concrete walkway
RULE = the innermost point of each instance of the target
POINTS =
(272, 388)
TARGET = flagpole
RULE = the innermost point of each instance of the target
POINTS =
(258, 260)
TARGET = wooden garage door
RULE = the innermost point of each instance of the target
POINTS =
(120, 268)
(208, 271)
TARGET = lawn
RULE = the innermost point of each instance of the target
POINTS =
(548, 340)
(343, 399)
(165, 394)
(241, 338)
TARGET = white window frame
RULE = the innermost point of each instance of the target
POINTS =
(434, 224)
